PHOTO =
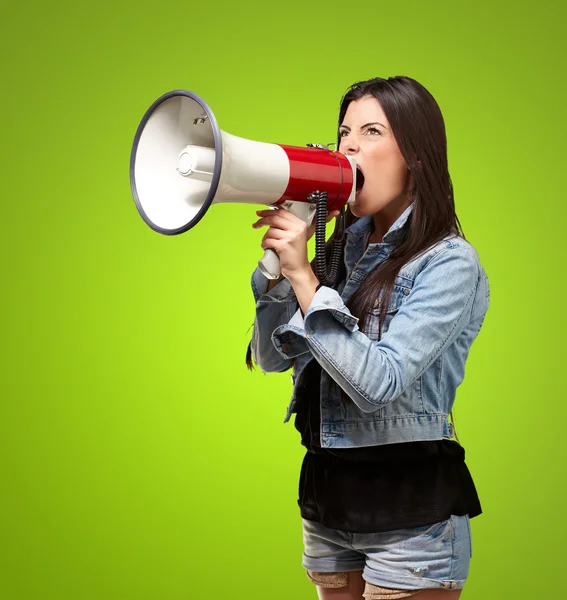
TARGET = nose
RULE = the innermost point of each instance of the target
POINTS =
(349, 146)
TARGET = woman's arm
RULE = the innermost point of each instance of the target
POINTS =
(275, 305)
(436, 312)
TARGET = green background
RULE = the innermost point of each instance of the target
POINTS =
(140, 459)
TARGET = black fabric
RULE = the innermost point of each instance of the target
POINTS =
(378, 488)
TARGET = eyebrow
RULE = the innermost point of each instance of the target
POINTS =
(367, 124)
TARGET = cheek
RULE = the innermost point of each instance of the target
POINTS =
(388, 167)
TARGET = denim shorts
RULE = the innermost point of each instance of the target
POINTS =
(417, 558)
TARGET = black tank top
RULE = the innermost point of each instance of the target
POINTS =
(378, 488)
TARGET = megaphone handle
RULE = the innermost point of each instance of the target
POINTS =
(270, 263)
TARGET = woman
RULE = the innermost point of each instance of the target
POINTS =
(385, 495)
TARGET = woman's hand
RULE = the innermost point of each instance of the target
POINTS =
(288, 236)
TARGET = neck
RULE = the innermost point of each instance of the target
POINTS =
(385, 218)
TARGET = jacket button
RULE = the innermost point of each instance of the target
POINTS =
(286, 348)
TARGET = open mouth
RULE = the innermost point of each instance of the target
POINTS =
(359, 179)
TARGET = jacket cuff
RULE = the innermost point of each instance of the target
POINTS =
(281, 292)
(290, 340)
(327, 298)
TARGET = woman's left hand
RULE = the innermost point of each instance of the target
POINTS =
(287, 235)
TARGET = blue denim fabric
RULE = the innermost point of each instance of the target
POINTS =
(431, 557)
(402, 387)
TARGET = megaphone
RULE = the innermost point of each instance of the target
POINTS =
(182, 163)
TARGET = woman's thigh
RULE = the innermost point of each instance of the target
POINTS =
(353, 590)
(358, 589)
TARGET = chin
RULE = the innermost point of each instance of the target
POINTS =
(354, 210)
(357, 208)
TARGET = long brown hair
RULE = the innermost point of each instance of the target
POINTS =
(419, 129)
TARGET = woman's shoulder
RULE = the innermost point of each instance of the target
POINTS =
(454, 244)
(453, 269)
(443, 258)
(451, 247)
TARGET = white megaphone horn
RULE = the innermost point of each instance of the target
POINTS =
(182, 163)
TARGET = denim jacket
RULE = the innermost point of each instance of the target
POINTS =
(374, 391)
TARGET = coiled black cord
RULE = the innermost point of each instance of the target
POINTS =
(327, 277)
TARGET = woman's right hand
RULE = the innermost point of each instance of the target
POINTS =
(311, 228)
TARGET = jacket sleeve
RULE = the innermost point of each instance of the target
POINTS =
(273, 308)
(374, 373)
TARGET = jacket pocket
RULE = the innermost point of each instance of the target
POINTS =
(399, 295)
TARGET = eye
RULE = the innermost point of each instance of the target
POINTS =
(342, 132)
(373, 130)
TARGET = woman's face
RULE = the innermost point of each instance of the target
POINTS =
(365, 134)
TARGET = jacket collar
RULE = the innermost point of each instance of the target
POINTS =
(365, 225)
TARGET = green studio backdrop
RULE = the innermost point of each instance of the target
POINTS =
(140, 459)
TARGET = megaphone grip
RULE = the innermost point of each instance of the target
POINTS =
(270, 264)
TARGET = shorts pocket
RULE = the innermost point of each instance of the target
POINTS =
(431, 528)
(442, 531)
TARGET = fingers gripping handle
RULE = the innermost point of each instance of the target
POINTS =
(270, 263)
